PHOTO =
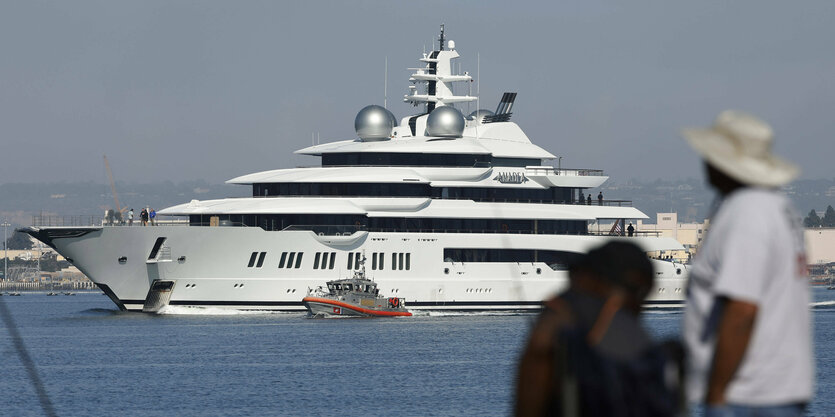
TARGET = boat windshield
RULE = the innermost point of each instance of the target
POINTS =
(347, 287)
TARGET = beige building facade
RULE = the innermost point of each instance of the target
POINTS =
(820, 245)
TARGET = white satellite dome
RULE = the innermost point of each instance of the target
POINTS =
(374, 123)
(445, 122)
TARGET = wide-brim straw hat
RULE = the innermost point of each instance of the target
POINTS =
(739, 145)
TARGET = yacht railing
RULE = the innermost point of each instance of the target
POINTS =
(96, 221)
(327, 229)
(530, 170)
(347, 230)
(546, 170)
(608, 203)
(637, 233)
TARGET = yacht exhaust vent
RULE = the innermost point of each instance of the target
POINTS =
(503, 111)
(158, 296)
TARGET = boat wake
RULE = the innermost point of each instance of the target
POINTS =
(216, 311)
(424, 313)
(823, 304)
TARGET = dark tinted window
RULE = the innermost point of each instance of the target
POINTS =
(404, 159)
(557, 260)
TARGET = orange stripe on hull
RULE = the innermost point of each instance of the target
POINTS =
(355, 308)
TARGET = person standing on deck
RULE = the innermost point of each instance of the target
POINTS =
(130, 217)
(600, 198)
(747, 325)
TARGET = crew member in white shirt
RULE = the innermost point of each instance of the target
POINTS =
(747, 322)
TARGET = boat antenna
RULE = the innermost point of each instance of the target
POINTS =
(386, 84)
(442, 37)
(477, 91)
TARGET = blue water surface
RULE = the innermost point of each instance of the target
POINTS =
(95, 360)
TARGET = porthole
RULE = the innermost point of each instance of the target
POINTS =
(678, 271)
(446, 270)
(538, 271)
(123, 260)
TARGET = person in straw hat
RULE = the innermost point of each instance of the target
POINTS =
(747, 323)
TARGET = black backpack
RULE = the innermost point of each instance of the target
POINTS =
(647, 384)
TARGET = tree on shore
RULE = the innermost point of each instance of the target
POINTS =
(812, 220)
(19, 241)
(828, 217)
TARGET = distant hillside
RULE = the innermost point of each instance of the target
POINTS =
(690, 198)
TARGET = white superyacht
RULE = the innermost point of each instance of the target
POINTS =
(454, 212)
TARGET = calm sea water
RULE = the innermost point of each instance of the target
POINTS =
(95, 360)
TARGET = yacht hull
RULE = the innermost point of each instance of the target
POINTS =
(241, 267)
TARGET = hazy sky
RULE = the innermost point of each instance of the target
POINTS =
(185, 90)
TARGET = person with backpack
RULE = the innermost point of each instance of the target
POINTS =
(588, 355)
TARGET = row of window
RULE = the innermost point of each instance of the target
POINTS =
(259, 257)
(423, 159)
(329, 224)
(557, 260)
(288, 258)
(327, 260)
(562, 195)
(324, 260)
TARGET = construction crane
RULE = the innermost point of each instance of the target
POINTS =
(112, 185)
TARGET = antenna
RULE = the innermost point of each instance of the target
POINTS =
(442, 37)
(477, 90)
(386, 84)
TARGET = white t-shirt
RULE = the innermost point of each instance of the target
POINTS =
(753, 252)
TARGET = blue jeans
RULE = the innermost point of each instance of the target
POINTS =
(733, 410)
